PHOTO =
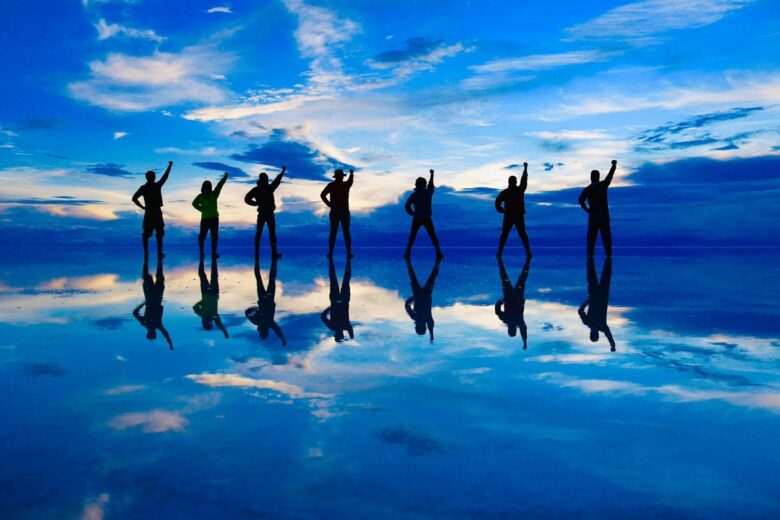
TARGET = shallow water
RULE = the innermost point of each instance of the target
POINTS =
(682, 419)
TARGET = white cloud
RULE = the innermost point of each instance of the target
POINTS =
(641, 21)
(221, 9)
(239, 381)
(109, 30)
(120, 135)
(542, 61)
(155, 421)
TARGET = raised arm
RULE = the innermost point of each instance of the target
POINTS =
(136, 196)
(608, 334)
(220, 325)
(221, 183)
(430, 182)
(583, 197)
(611, 173)
(165, 175)
(166, 336)
(251, 198)
(524, 178)
(324, 195)
(278, 180)
(351, 178)
(278, 330)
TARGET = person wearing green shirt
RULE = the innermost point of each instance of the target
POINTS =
(206, 203)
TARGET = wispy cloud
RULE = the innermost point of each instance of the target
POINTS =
(120, 135)
(220, 9)
(155, 421)
(109, 30)
(241, 381)
(542, 61)
(420, 54)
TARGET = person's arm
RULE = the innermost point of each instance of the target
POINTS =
(137, 314)
(408, 205)
(220, 326)
(221, 183)
(430, 329)
(325, 319)
(278, 179)
(136, 196)
(324, 195)
(166, 336)
(278, 331)
(497, 309)
(524, 178)
(165, 175)
(611, 173)
(611, 340)
(581, 311)
(351, 178)
(408, 307)
(583, 197)
(251, 198)
(431, 187)
(197, 203)
(197, 308)
(500, 202)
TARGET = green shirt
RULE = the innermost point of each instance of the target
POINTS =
(206, 203)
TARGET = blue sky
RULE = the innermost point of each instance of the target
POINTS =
(683, 94)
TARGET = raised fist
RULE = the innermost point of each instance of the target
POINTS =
(351, 172)
(525, 165)
(431, 172)
(614, 161)
(170, 163)
(284, 168)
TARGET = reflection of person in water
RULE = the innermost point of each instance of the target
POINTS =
(511, 308)
(153, 296)
(262, 316)
(598, 302)
(418, 306)
(336, 317)
(208, 306)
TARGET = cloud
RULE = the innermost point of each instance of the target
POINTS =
(124, 389)
(156, 421)
(642, 21)
(662, 133)
(221, 167)
(109, 169)
(109, 30)
(302, 160)
(419, 54)
(120, 135)
(542, 61)
(136, 83)
(240, 381)
(220, 9)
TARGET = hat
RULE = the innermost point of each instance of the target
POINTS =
(338, 172)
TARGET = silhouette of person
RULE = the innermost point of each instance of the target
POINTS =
(262, 196)
(418, 306)
(208, 306)
(598, 210)
(152, 206)
(336, 317)
(262, 316)
(206, 203)
(511, 308)
(418, 205)
(598, 302)
(153, 297)
(511, 202)
(339, 209)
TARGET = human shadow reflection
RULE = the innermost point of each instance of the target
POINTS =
(419, 305)
(511, 308)
(154, 289)
(208, 306)
(263, 315)
(593, 311)
(336, 316)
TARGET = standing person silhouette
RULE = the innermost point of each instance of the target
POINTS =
(153, 297)
(598, 302)
(262, 316)
(208, 306)
(339, 209)
(598, 210)
(511, 308)
(336, 317)
(262, 196)
(419, 305)
(152, 206)
(206, 203)
(511, 202)
(418, 205)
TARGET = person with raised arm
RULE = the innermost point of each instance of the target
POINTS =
(336, 197)
(153, 298)
(152, 206)
(206, 203)
(336, 316)
(511, 308)
(208, 306)
(263, 315)
(418, 205)
(598, 210)
(419, 305)
(262, 196)
(511, 202)
(593, 311)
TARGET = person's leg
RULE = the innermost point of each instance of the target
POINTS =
(524, 237)
(271, 220)
(145, 237)
(345, 228)
(606, 237)
(334, 227)
(428, 223)
(506, 227)
(593, 230)
(214, 236)
(412, 236)
(258, 235)
(202, 235)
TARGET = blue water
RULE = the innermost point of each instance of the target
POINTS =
(681, 420)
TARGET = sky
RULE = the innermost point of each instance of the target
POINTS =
(683, 94)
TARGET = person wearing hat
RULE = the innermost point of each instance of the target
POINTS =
(338, 190)
(262, 196)
(418, 205)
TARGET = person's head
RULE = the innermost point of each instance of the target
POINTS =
(594, 335)
(262, 179)
(338, 174)
(512, 181)
(150, 176)
(420, 183)
(512, 331)
(420, 328)
(205, 188)
(594, 176)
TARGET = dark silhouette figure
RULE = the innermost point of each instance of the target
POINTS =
(598, 210)
(418, 306)
(418, 205)
(336, 317)
(262, 316)
(206, 203)
(153, 297)
(152, 206)
(338, 190)
(262, 196)
(511, 202)
(511, 308)
(598, 302)
(208, 306)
